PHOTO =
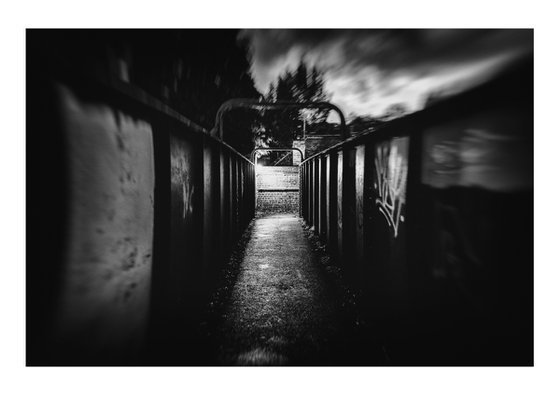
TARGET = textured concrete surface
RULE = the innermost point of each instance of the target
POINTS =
(104, 300)
(280, 312)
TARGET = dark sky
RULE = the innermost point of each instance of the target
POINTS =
(368, 70)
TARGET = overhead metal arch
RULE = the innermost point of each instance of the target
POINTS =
(256, 104)
(275, 149)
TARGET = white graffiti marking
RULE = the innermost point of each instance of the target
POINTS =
(187, 199)
(391, 170)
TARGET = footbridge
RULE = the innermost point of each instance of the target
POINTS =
(409, 245)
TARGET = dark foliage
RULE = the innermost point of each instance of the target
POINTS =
(301, 85)
(194, 71)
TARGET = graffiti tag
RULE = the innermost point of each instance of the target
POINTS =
(187, 199)
(391, 169)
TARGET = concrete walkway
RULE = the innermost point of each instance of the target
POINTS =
(281, 312)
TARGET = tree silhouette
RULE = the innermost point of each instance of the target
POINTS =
(281, 127)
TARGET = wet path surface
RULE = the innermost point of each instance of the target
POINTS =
(281, 311)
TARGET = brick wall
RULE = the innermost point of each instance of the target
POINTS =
(278, 189)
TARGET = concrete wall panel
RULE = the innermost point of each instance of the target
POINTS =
(106, 276)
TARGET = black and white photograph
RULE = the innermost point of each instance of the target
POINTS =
(279, 198)
(300, 197)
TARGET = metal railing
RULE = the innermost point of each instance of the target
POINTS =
(402, 208)
(169, 202)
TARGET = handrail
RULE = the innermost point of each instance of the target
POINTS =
(142, 97)
(256, 104)
(135, 96)
(274, 149)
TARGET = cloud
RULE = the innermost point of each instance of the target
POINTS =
(368, 70)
